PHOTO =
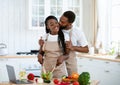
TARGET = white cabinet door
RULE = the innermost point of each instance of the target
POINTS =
(1, 71)
(31, 65)
(3, 75)
(107, 72)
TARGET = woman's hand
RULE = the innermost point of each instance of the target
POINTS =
(40, 59)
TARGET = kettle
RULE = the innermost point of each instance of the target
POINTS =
(3, 49)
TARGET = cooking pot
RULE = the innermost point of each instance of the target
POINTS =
(3, 49)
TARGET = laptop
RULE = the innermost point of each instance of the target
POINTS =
(12, 76)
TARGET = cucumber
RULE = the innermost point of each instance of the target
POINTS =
(46, 81)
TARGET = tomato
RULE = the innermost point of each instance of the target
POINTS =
(64, 83)
(69, 77)
(76, 83)
(56, 81)
(30, 76)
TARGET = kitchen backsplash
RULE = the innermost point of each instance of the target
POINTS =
(13, 27)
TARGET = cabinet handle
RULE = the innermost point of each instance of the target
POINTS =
(3, 59)
(90, 59)
(107, 62)
(80, 58)
(80, 66)
(107, 71)
(119, 64)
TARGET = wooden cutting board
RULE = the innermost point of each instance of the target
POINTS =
(93, 82)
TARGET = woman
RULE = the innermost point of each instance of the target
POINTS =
(53, 48)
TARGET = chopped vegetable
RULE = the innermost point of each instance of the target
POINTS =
(47, 77)
(64, 76)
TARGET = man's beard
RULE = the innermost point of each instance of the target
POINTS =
(63, 27)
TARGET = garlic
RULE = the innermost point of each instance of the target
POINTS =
(40, 80)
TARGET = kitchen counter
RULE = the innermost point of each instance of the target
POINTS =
(19, 56)
(95, 56)
(100, 57)
(93, 82)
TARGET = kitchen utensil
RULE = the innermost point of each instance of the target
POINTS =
(53, 69)
(3, 49)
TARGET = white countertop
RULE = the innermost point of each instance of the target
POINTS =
(19, 56)
(100, 56)
(95, 56)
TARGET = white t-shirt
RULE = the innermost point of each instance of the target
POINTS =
(54, 37)
(77, 37)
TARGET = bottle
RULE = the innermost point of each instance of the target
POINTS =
(22, 74)
(101, 50)
(91, 49)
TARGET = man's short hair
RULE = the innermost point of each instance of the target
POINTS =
(70, 15)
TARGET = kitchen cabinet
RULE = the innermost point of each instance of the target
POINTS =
(38, 10)
(107, 72)
(30, 65)
(2, 70)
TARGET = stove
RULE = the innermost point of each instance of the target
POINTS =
(32, 52)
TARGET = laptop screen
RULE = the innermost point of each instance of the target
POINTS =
(11, 73)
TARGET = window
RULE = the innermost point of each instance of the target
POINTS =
(115, 24)
(109, 25)
(36, 14)
(40, 9)
(115, 20)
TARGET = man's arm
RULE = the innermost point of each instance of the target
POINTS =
(80, 49)
(41, 52)
(40, 56)
(77, 48)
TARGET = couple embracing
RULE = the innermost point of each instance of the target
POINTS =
(59, 44)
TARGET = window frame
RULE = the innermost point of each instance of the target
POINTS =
(47, 12)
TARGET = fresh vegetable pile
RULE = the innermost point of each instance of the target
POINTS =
(74, 79)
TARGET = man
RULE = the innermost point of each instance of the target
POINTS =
(77, 43)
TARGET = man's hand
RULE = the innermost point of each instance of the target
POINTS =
(69, 45)
(40, 59)
(41, 42)
(60, 60)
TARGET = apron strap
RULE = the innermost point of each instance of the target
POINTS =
(70, 34)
